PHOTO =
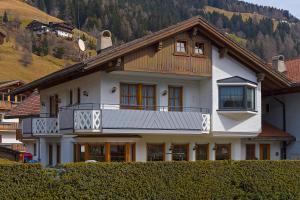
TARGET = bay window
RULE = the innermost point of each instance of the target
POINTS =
(232, 97)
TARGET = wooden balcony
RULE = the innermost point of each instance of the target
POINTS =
(8, 126)
(7, 105)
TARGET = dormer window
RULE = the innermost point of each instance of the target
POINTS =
(199, 48)
(237, 94)
(181, 46)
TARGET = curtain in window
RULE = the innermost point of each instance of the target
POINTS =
(155, 152)
(129, 94)
(231, 97)
(97, 152)
(148, 97)
(175, 98)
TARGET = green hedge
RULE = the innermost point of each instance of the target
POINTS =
(154, 180)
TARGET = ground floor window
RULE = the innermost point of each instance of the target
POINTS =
(180, 152)
(97, 152)
(50, 154)
(264, 151)
(223, 151)
(117, 153)
(155, 152)
(202, 151)
(250, 152)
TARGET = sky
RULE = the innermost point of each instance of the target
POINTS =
(291, 5)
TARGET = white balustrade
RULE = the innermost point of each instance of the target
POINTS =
(205, 123)
(87, 120)
(45, 126)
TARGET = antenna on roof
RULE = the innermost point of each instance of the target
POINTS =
(82, 48)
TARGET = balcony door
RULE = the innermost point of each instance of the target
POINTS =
(53, 106)
(175, 98)
(138, 96)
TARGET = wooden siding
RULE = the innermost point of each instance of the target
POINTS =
(166, 60)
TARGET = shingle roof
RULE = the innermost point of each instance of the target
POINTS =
(271, 132)
(29, 107)
(293, 69)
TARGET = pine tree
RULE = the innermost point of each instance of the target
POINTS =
(5, 17)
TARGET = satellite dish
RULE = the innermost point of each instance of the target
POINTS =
(81, 45)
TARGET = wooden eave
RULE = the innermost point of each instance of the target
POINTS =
(219, 39)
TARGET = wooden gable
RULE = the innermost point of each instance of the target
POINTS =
(162, 57)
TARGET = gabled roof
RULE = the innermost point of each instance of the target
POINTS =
(219, 39)
(6, 84)
(293, 69)
(29, 107)
(235, 79)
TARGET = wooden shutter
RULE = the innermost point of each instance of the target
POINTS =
(107, 152)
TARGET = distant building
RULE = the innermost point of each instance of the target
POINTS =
(61, 29)
(9, 127)
(38, 28)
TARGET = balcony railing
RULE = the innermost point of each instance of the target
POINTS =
(9, 126)
(40, 126)
(96, 118)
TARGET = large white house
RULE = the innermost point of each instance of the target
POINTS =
(187, 92)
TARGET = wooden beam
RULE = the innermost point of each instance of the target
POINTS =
(222, 52)
(107, 152)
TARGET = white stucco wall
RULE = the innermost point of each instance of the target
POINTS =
(193, 90)
(9, 138)
(227, 67)
(275, 117)
(274, 149)
(89, 83)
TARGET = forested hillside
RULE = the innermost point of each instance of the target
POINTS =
(266, 31)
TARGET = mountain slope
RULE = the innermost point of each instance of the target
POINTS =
(267, 31)
(10, 54)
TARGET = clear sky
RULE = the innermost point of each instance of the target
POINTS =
(291, 5)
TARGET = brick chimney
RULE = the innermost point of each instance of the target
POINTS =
(104, 41)
(278, 63)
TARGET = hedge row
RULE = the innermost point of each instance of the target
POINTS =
(154, 180)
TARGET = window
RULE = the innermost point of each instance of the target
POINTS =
(138, 96)
(264, 151)
(237, 98)
(148, 97)
(0, 139)
(202, 152)
(57, 153)
(53, 106)
(12, 98)
(199, 48)
(181, 47)
(180, 152)
(223, 151)
(129, 95)
(97, 152)
(267, 108)
(78, 96)
(155, 152)
(117, 152)
(50, 154)
(175, 98)
(250, 152)
(71, 97)
(34, 149)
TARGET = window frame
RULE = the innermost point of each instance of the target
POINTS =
(244, 104)
(186, 147)
(220, 146)
(206, 146)
(194, 48)
(185, 41)
(163, 145)
(180, 108)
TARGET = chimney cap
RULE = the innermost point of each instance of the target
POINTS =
(278, 57)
